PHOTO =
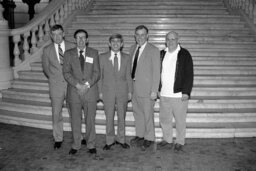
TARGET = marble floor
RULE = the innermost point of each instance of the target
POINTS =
(31, 149)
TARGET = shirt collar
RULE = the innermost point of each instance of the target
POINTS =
(175, 51)
(112, 55)
(143, 46)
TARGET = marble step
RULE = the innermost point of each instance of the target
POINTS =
(194, 130)
(162, 32)
(162, 7)
(120, 26)
(204, 117)
(225, 80)
(187, 41)
(199, 70)
(156, 11)
(43, 84)
(197, 93)
(151, 19)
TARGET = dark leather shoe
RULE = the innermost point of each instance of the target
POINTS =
(72, 151)
(138, 141)
(123, 145)
(83, 142)
(108, 147)
(178, 147)
(146, 144)
(57, 144)
(164, 145)
(92, 151)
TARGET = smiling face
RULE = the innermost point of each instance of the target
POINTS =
(115, 44)
(141, 36)
(172, 41)
(57, 36)
(81, 40)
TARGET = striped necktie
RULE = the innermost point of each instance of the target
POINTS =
(61, 55)
(116, 63)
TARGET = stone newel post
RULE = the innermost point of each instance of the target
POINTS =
(6, 72)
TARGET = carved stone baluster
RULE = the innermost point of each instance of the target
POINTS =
(66, 9)
(52, 22)
(61, 14)
(57, 17)
(46, 30)
(26, 45)
(70, 6)
(40, 35)
(33, 41)
(73, 5)
(16, 51)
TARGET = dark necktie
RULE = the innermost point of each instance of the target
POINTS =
(116, 63)
(61, 55)
(134, 66)
(81, 59)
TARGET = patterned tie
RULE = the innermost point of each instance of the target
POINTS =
(81, 59)
(61, 55)
(116, 63)
(134, 66)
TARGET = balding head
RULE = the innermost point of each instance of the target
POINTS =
(172, 40)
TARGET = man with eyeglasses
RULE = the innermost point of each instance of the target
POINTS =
(175, 88)
(146, 77)
(82, 72)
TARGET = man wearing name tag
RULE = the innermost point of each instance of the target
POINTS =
(82, 72)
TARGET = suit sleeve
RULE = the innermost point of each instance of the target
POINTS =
(189, 75)
(45, 62)
(155, 70)
(128, 74)
(96, 71)
(67, 69)
(101, 73)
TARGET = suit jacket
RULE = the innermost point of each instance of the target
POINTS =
(112, 86)
(73, 74)
(53, 69)
(147, 76)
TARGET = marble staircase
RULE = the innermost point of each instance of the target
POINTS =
(223, 100)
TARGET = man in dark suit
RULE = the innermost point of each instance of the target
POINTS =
(146, 78)
(52, 60)
(115, 88)
(82, 72)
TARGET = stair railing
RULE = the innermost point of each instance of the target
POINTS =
(30, 39)
(247, 6)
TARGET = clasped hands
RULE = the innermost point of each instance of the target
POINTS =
(82, 89)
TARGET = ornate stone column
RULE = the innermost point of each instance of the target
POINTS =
(6, 72)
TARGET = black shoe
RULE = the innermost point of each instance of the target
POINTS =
(72, 151)
(83, 142)
(57, 145)
(164, 145)
(146, 144)
(137, 141)
(108, 147)
(178, 147)
(92, 151)
(123, 145)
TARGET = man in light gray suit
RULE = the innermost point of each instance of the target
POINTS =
(146, 78)
(82, 71)
(52, 60)
(115, 87)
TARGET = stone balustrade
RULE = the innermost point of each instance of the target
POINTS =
(248, 6)
(28, 39)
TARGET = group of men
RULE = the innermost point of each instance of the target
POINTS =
(80, 75)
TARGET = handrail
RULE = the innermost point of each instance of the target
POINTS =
(247, 6)
(35, 34)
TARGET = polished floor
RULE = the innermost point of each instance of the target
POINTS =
(31, 149)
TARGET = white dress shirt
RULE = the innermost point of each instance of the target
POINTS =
(62, 45)
(112, 56)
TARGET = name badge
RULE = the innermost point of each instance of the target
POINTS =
(89, 60)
